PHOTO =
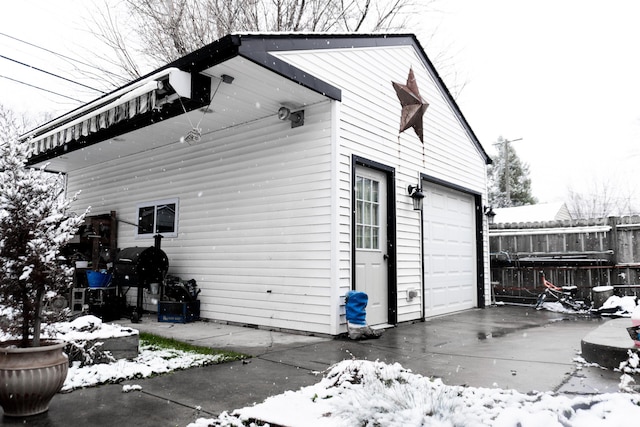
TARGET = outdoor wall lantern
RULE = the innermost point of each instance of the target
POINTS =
(296, 117)
(417, 196)
(488, 211)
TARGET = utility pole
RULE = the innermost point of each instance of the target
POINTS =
(507, 169)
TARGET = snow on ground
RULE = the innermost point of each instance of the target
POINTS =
(150, 361)
(557, 308)
(88, 328)
(366, 393)
(614, 306)
(623, 306)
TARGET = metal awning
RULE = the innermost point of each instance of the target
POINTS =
(104, 112)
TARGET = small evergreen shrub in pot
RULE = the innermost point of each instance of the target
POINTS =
(35, 224)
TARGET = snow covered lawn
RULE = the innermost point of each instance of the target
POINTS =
(151, 360)
(365, 393)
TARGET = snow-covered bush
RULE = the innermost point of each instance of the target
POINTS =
(85, 338)
(34, 225)
(629, 369)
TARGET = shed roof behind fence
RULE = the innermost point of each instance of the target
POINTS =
(533, 213)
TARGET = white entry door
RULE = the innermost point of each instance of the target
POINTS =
(371, 243)
(450, 280)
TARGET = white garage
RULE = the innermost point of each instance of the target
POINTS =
(295, 190)
(449, 250)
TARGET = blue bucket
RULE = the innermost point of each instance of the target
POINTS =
(356, 304)
(97, 279)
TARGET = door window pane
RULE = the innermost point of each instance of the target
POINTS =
(367, 213)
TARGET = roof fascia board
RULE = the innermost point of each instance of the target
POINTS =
(258, 48)
(207, 56)
(287, 70)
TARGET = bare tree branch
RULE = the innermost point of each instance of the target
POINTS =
(108, 31)
(155, 32)
(152, 33)
(14, 124)
(601, 198)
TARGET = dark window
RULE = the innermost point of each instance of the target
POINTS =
(158, 218)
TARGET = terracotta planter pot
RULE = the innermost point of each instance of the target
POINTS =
(30, 377)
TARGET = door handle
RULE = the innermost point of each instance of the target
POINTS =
(385, 257)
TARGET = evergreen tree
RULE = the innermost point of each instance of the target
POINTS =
(34, 225)
(509, 182)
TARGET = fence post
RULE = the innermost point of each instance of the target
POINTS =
(613, 239)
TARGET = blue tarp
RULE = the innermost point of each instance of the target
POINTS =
(356, 305)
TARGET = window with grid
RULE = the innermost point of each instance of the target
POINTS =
(367, 213)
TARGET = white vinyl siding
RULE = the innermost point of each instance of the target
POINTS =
(369, 127)
(255, 217)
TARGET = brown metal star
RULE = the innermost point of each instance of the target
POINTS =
(413, 106)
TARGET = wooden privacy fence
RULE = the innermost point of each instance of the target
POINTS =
(584, 253)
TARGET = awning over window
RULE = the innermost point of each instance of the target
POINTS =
(122, 106)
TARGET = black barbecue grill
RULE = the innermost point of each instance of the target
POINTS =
(138, 267)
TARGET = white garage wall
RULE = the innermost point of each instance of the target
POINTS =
(265, 210)
(370, 115)
(254, 222)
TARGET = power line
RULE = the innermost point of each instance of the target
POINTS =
(50, 73)
(60, 55)
(40, 88)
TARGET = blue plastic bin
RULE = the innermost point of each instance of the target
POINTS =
(98, 279)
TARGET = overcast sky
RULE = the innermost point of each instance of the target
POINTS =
(563, 75)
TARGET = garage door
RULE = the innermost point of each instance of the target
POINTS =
(449, 250)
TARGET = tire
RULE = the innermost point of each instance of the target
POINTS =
(541, 298)
(572, 304)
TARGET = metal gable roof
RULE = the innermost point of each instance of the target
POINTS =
(83, 127)
(258, 48)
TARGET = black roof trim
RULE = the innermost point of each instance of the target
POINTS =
(256, 49)
(207, 56)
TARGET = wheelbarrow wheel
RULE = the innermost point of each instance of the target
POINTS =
(541, 298)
